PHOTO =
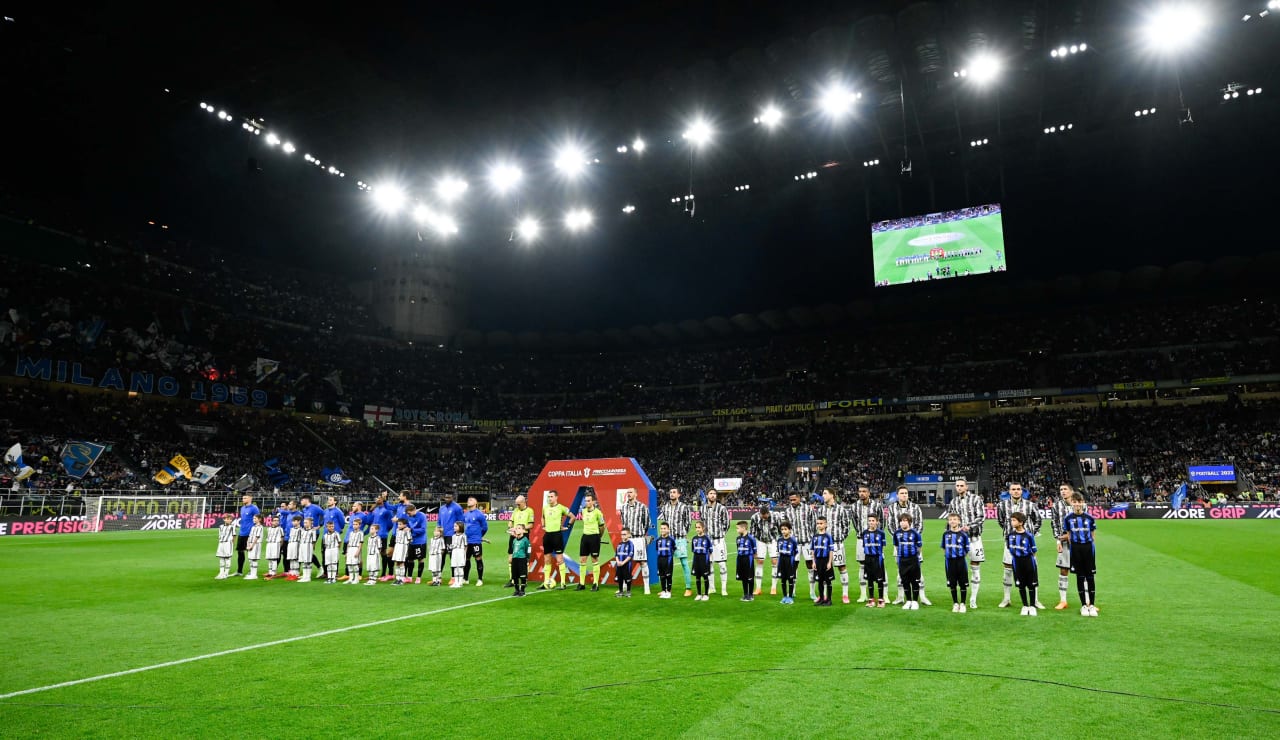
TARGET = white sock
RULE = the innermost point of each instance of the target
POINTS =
(253, 568)
(644, 576)
(1008, 583)
(844, 583)
(724, 578)
(760, 575)
(1062, 588)
(812, 585)
(974, 582)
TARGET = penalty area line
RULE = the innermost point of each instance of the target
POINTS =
(249, 648)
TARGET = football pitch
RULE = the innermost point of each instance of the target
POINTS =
(1186, 645)
(986, 232)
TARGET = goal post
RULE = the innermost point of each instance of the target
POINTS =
(134, 513)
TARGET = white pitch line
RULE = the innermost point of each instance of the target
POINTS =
(247, 648)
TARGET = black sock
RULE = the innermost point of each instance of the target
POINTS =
(240, 562)
(964, 594)
(1022, 592)
(479, 570)
(1031, 591)
(955, 596)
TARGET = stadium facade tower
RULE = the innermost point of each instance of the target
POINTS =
(417, 291)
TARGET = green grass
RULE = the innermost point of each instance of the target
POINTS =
(1188, 613)
(984, 231)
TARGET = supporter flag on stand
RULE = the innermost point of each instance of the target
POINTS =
(263, 368)
(377, 414)
(205, 473)
(1179, 498)
(79, 457)
(244, 483)
(334, 476)
(1117, 508)
(19, 469)
(176, 468)
(335, 379)
(275, 474)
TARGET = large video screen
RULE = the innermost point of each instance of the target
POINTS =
(936, 246)
(1220, 473)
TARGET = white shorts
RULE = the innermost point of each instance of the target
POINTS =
(858, 553)
(766, 550)
(806, 552)
(224, 550)
(1008, 556)
(457, 558)
(273, 551)
(1064, 557)
(837, 555)
(436, 562)
(292, 550)
(976, 553)
(718, 552)
(331, 556)
(642, 549)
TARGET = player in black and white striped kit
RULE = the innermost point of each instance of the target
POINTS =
(766, 530)
(635, 518)
(973, 514)
(715, 517)
(863, 509)
(904, 505)
(1004, 515)
(1059, 511)
(839, 521)
(804, 523)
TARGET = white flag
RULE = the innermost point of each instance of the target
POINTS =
(205, 473)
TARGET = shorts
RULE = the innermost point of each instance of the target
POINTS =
(1064, 557)
(1008, 556)
(553, 543)
(909, 570)
(976, 552)
(957, 573)
(786, 568)
(1025, 574)
(806, 552)
(874, 569)
(476, 551)
(822, 568)
(859, 554)
(837, 555)
(589, 546)
(417, 552)
(766, 550)
(1083, 559)
(242, 542)
(642, 549)
(519, 568)
(701, 565)
(718, 552)
(745, 570)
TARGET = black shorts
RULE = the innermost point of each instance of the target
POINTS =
(909, 569)
(873, 567)
(957, 572)
(664, 565)
(822, 568)
(701, 564)
(519, 567)
(1083, 559)
(589, 545)
(475, 552)
(553, 543)
(1025, 572)
(623, 573)
(746, 568)
(786, 567)
(417, 552)
(242, 543)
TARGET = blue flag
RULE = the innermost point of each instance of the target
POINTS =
(78, 457)
(275, 474)
(1122, 506)
(1179, 498)
(334, 476)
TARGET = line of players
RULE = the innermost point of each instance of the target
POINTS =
(800, 533)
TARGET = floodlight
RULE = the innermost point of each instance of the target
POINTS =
(528, 228)
(698, 133)
(637, 145)
(577, 219)
(836, 100)
(984, 68)
(628, 209)
(504, 177)
(288, 147)
(389, 198)
(769, 117)
(272, 139)
(571, 160)
(450, 188)
(1173, 28)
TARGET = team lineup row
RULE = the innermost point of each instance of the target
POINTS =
(797, 533)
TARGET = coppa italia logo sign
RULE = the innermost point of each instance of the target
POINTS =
(587, 473)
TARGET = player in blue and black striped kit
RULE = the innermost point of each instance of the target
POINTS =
(746, 549)
(906, 544)
(666, 547)
(788, 561)
(955, 546)
(624, 556)
(1021, 545)
(1079, 527)
(872, 541)
(821, 545)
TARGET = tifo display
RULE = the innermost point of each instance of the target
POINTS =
(968, 241)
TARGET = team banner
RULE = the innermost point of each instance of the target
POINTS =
(205, 473)
(334, 477)
(608, 480)
(176, 468)
(136, 381)
(18, 468)
(79, 457)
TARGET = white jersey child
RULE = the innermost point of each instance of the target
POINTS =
(355, 538)
(400, 553)
(435, 560)
(332, 549)
(226, 536)
(373, 558)
(253, 551)
(291, 550)
(275, 538)
(457, 560)
(306, 545)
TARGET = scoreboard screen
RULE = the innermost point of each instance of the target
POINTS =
(936, 246)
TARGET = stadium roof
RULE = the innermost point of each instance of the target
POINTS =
(418, 91)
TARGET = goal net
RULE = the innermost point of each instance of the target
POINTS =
(128, 513)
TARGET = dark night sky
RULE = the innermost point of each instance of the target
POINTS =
(422, 88)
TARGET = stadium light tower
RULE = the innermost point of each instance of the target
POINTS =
(1173, 28)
